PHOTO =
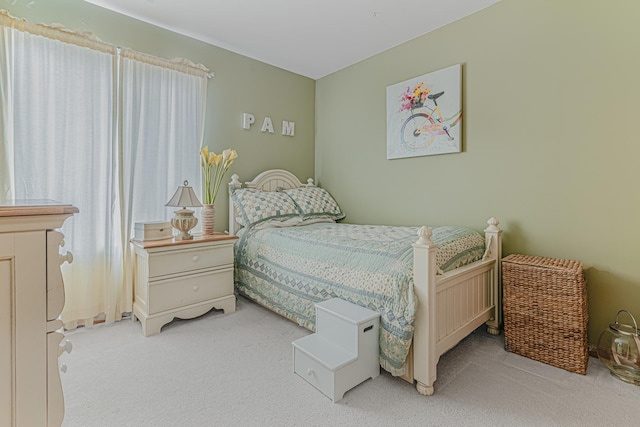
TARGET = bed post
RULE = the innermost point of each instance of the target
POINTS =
(233, 225)
(425, 358)
(493, 243)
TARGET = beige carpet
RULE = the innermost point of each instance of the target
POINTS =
(236, 370)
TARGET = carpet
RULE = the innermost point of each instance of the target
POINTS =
(237, 370)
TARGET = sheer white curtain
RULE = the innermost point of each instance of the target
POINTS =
(58, 141)
(162, 127)
(114, 138)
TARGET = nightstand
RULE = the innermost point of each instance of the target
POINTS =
(182, 278)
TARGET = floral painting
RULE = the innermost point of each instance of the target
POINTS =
(424, 114)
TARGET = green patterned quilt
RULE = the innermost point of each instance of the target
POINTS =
(290, 269)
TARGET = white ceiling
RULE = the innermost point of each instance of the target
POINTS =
(313, 38)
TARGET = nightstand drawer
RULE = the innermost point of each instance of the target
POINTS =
(182, 291)
(174, 262)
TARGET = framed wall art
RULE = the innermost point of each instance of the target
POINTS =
(424, 114)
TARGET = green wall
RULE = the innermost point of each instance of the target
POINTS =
(550, 144)
(240, 85)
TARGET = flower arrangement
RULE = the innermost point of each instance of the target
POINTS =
(214, 166)
(414, 98)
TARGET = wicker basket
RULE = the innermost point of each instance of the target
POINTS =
(545, 310)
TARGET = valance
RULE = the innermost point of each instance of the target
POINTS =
(89, 40)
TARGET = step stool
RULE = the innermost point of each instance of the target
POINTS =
(344, 350)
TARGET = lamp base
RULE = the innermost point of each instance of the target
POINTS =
(184, 221)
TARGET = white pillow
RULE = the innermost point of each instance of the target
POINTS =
(315, 202)
(256, 206)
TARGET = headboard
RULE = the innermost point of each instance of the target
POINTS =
(269, 180)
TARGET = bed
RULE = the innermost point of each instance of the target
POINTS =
(430, 296)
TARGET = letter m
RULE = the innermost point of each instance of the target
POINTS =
(288, 128)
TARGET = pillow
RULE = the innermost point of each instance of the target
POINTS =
(316, 220)
(256, 206)
(279, 223)
(315, 202)
(290, 222)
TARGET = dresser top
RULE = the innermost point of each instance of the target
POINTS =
(28, 207)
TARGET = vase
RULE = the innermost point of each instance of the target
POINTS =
(208, 219)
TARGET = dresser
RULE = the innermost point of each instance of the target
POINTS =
(31, 300)
(182, 278)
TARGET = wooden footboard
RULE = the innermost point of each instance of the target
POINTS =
(453, 304)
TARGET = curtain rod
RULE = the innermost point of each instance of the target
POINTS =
(178, 64)
(89, 40)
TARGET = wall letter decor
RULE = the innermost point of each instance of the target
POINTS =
(288, 128)
(247, 120)
(267, 126)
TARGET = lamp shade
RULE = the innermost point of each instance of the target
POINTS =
(184, 197)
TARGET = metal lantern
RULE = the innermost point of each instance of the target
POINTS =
(619, 349)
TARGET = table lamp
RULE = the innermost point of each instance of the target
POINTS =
(184, 220)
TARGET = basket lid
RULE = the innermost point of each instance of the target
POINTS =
(544, 262)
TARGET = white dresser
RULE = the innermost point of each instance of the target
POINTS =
(182, 278)
(31, 299)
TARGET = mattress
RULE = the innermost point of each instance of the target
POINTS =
(290, 269)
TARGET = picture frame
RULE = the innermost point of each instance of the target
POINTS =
(424, 114)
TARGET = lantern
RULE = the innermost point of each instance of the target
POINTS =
(619, 349)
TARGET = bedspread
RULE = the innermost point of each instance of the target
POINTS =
(290, 269)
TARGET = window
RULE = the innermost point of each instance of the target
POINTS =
(111, 131)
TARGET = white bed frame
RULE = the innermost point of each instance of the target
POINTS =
(451, 305)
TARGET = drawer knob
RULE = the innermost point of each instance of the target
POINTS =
(310, 372)
(68, 257)
(65, 346)
(196, 258)
(195, 288)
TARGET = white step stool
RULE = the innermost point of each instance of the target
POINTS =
(344, 350)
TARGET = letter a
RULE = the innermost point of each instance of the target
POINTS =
(267, 126)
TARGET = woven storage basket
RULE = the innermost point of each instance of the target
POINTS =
(545, 310)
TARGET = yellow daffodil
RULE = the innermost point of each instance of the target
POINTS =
(228, 156)
(212, 159)
(214, 166)
(204, 156)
